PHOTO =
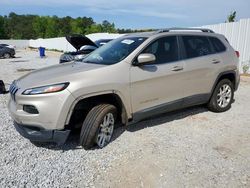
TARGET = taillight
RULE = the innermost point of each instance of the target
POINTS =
(237, 53)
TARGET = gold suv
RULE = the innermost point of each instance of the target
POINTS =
(127, 80)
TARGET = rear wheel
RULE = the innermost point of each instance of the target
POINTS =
(6, 55)
(222, 97)
(98, 126)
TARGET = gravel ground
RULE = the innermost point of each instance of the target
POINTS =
(187, 148)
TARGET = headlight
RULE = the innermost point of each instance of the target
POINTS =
(46, 89)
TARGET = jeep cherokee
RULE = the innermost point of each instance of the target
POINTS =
(129, 79)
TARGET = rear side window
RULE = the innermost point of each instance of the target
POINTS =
(217, 44)
(196, 46)
(165, 49)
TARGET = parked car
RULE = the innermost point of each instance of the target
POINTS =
(129, 79)
(6, 52)
(83, 46)
(8, 45)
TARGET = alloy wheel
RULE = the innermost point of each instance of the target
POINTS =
(224, 96)
(106, 130)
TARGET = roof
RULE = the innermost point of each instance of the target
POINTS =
(199, 31)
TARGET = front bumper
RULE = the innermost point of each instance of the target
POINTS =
(36, 134)
(51, 109)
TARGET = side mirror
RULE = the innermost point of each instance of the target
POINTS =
(145, 59)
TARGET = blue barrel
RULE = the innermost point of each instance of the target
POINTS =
(41, 51)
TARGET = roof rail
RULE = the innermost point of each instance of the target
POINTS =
(181, 29)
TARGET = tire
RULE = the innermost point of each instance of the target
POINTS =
(6, 55)
(222, 96)
(94, 129)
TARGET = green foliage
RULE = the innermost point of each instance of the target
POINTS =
(16, 26)
(3, 32)
(39, 25)
(134, 31)
(245, 69)
(231, 17)
(19, 26)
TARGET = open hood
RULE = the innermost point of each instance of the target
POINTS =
(77, 41)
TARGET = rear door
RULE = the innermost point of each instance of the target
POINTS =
(201, 63)
(161, 82)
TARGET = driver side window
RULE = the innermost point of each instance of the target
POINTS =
(165, 49)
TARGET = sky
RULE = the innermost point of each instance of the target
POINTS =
(140, 14)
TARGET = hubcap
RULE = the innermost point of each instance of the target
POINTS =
(106, 130)
(224, 96)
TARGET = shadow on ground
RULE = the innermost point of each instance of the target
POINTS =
(73, 140)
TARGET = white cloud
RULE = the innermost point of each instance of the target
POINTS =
(156, 8)
(139, 12)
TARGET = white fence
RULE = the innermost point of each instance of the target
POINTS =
(52, 44)
(63, 45)
(238, 34)
(17, 43)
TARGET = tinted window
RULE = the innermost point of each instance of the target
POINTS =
(114, 51)
(196, 46)
(164, 49)
(217, 44)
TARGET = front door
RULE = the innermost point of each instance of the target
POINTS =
(160, 83)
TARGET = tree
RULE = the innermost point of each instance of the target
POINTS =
(39, 25)
(108, 27)
(94, 28)
(16, 26)
(64, 26)
(231, 17)
(52, 27)
(3, 33)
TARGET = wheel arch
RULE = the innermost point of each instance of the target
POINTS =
(231, 75)
(89, 101)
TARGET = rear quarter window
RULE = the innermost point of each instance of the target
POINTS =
(217, 44)
(196, 46)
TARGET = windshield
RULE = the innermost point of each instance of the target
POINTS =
(114, 51)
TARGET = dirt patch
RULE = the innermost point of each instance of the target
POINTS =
(19, 61)
(247, 75)
(224, 151)
(25, 70)
(198, 118)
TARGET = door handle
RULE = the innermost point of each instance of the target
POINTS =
(215, 61)
(177, 68)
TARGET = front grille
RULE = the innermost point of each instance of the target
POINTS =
(13, 90)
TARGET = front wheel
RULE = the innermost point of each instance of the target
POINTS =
(6, 55)
(222, 96)
(98, 126)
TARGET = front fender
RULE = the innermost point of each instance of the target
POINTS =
(123, 99)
